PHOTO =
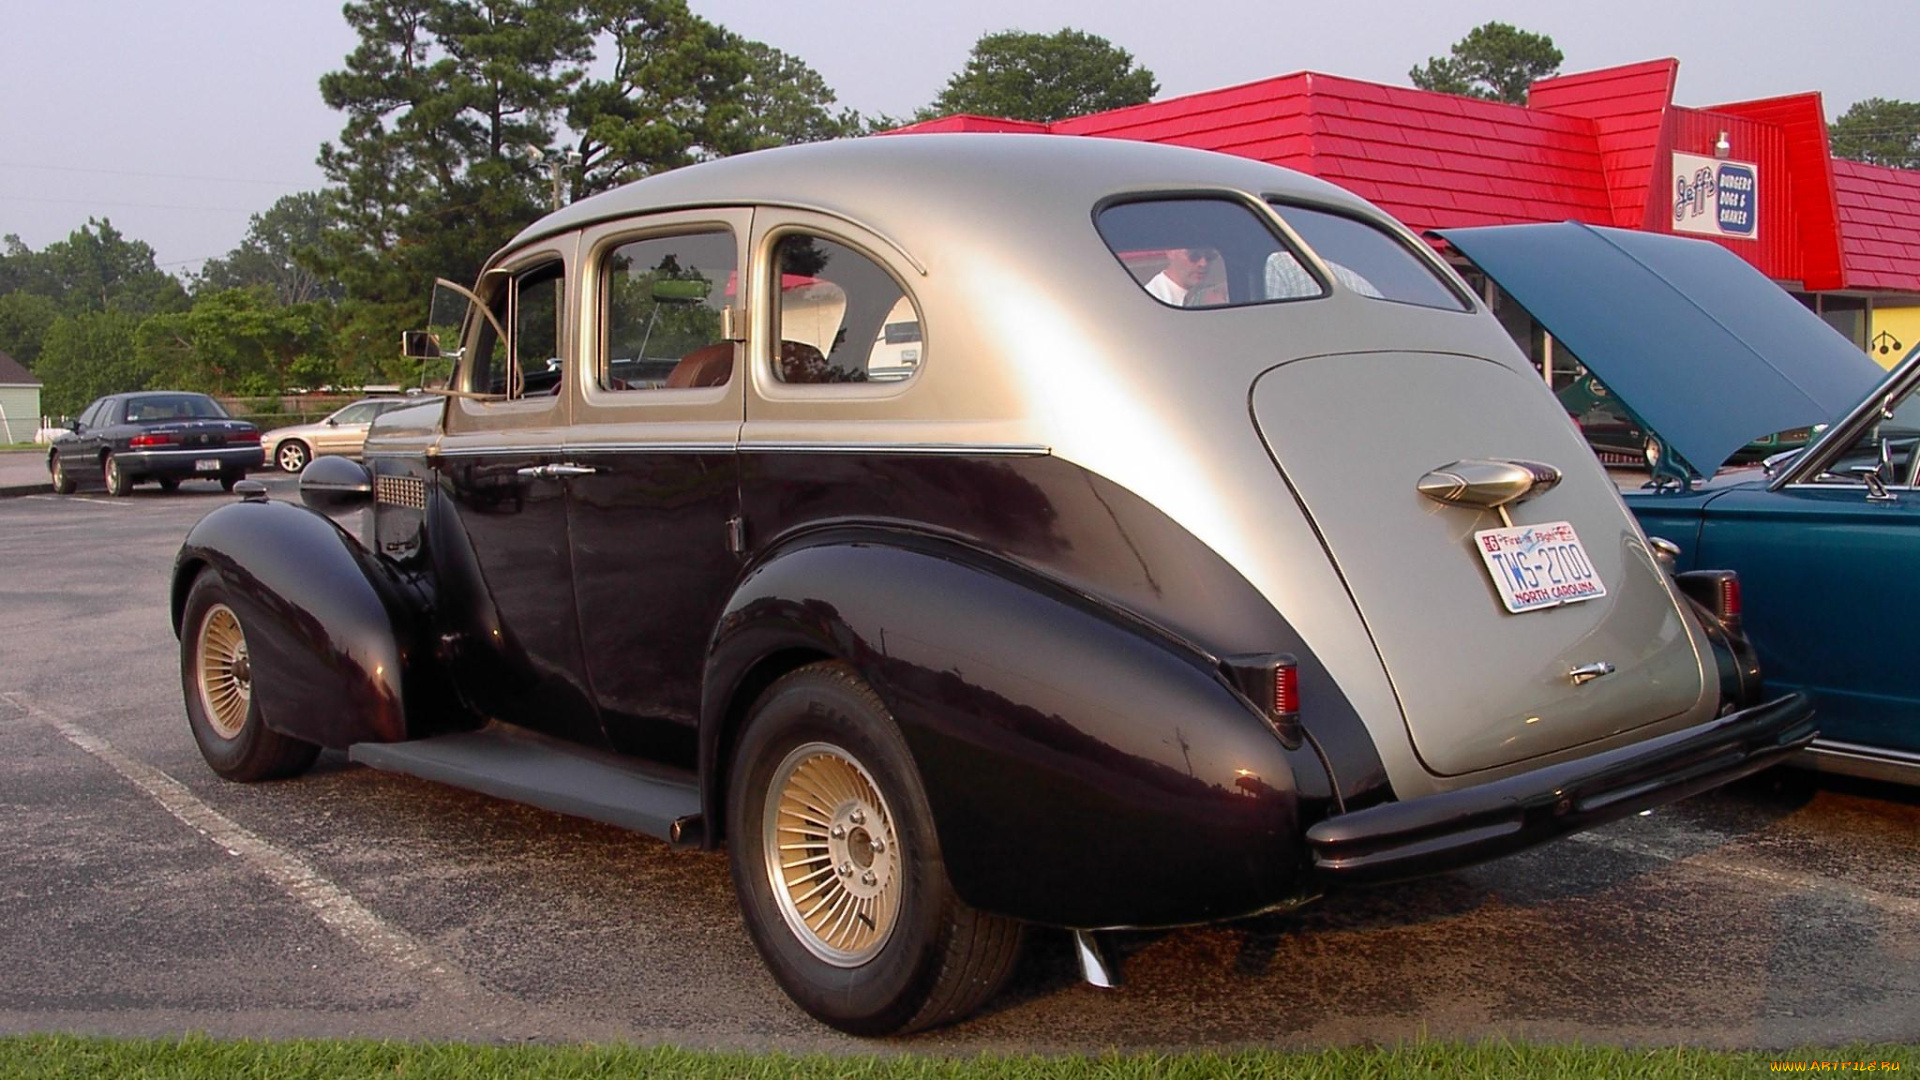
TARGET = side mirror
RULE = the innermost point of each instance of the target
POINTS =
(419, 345)
(331, 422)
(335, 483)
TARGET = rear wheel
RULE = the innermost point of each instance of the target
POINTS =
(62, 483)
(838, 868)
(292, 456)
(118, 483)
(216, 674)
(227, 480)
(169, 484)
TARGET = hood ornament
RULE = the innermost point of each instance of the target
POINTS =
(1488, 483)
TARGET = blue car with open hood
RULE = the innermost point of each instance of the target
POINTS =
(1707, 355)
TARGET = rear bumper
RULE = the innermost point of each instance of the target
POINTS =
(183, 463)
(1427, 835)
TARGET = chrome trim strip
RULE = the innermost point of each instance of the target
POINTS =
(1867, 762)
(975, 449)
(998, 449)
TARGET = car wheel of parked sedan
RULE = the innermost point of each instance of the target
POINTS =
(216, 673)
(62, 483)
(292, 456)
(169, 484)
(117, 481)
(227, 480)
(838, 868)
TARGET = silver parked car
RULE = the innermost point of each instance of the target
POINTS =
(972, 533)
(344, 432)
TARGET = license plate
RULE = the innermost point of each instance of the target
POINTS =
(1538, 566)
(207, 465)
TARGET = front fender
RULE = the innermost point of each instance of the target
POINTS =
(1082, 771)
(329, 634)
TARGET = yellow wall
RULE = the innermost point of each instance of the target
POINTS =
(1903, 323)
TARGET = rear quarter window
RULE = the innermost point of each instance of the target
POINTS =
(1202, 252)
(1369, 260)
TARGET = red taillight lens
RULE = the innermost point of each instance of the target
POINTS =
(1730, 598)
(244, 437)
(1286, 689)
(140, 441)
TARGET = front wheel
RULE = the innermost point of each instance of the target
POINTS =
(216, 675)
(62, 483)
(838, 867)
(292, 456)
(118, 483)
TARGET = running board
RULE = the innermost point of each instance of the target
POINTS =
(513, 763)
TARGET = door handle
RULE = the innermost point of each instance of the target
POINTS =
(549, 472)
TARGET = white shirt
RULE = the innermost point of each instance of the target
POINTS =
(1167, 289)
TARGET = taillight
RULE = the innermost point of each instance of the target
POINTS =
(1286, 689)
(1730, 598)
(142, 441)
(1271, 681)
(244, 437)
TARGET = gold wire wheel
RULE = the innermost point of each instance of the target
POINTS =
(832, 856)
(225, 676)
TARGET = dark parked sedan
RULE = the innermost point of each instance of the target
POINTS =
(162, 435)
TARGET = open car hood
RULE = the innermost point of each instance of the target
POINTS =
(1700, 347)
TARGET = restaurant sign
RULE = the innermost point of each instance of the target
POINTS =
(1716, 198)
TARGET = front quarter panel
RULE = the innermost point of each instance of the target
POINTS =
(330, 634)
(1081, 772)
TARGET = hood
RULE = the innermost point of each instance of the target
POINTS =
(1700, 347)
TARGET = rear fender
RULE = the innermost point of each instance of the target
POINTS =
(1081, 770)
(331, 636)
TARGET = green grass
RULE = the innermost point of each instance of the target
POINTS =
(195, 1057)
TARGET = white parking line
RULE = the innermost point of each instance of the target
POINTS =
(1890, 903)
(333, 905)
(83, 500)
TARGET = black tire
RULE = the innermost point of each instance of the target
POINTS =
(292, 456)
(118, 483)
(938, 959)
(169, 484)
(62, 483)
(222, 709)
(227, 480)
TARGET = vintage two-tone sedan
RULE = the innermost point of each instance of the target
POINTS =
(970, 532)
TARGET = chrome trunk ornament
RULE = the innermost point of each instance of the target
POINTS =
(1488, 484)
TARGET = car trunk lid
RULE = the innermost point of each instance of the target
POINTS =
(1354, 434)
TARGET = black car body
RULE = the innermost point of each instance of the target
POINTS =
(869, 507)
(164, 436)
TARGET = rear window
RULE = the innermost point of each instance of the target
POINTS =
(150, 410)
(1200, 253)
(1368, 260)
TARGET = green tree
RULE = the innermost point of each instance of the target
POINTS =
(278, 253)
(1495, 61)
(1879, 131)
(24, 320)
(1044, 77)
(87, 355)
(783, 102)
(238, 341)
(95, 268)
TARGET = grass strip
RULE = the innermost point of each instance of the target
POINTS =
(196, 1057)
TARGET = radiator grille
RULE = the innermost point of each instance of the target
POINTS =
(406, 491)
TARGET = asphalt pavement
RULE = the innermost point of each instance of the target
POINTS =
(141, 895)
(23, 472)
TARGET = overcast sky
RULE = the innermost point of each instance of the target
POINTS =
(179, 118)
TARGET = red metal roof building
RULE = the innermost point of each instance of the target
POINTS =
(1603, 147)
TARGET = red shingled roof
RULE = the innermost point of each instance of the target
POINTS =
(1588, 147)
(1879, 224)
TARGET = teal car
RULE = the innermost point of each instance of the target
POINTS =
(1707, 356)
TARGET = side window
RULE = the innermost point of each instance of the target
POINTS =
(91, 418)
(1364, 259)
(842, 317)
(531, 305)
(1203, 253)
(663, 298)
(360, 413)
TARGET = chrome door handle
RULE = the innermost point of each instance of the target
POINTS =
(549, 472)
(1586, 673)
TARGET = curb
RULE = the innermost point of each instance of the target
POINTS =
(8, 491)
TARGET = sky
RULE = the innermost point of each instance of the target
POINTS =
(178, 119)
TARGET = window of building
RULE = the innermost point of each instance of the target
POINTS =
(663, 300)
(842, 317)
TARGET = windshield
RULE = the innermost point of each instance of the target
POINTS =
(159, 410)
